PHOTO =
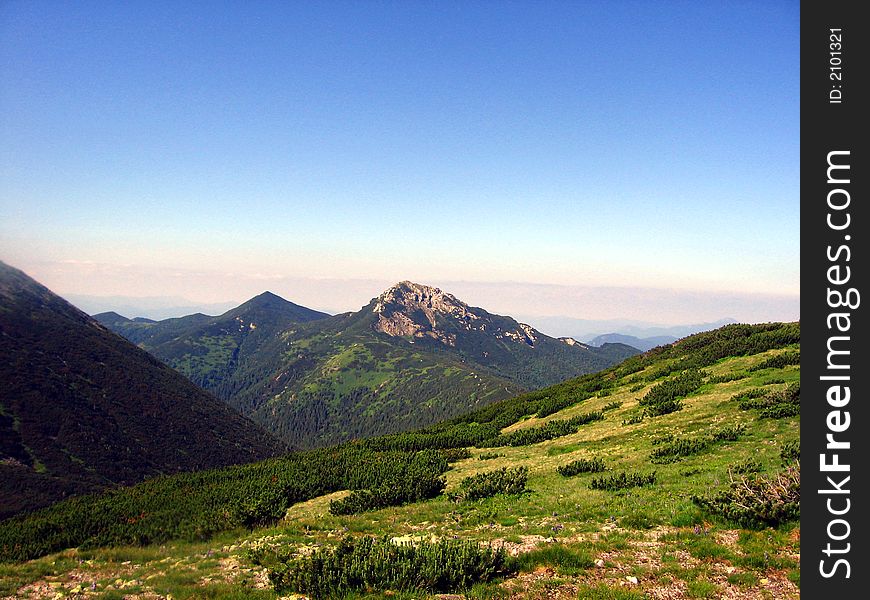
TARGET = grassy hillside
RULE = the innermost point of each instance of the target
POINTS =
(682, 422)
(337, 380)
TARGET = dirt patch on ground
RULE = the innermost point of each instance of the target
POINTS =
(527, 543)
(77, 583)
(231, 571)
(640, 567)
(543, 583)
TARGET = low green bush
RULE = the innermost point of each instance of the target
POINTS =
(583, 465)
(507, 480)
(542, 433)
(419, 480)
(365, 564)
(790, 452)
(489, 455)
(749, 394)
(777, 404)
(745, 467)
(663, 408)
(675, 449)
(779, 361)
(664, 398)
(728, 377)
(758, 501)
(729, 433)
(452, 455)
(622, 480)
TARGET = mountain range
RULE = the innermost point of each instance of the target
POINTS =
(82, 409)
(642, 344)
(414, 355)
(587, 330)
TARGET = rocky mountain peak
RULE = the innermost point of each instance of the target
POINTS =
(416, 310)
(414, 296)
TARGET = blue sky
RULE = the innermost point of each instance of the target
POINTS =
(205, 149)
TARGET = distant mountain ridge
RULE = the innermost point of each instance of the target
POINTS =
(642, 344)
(82, 409)
(213, 346)
(412, 356)
(156, 308)
(588, 329)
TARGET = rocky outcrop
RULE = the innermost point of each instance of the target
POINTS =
(415, 310)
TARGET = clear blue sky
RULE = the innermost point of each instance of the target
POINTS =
(643, 144)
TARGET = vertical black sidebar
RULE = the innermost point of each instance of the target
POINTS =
(835, 363)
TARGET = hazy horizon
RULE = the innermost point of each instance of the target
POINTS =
(529, 303)
(591, 160)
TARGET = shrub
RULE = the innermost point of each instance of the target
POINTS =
(365, 500)
(675, 449)
(257, 510)
(730, 433)
(419, 479)
(780, 411)
(779, 361)
(583, 465)
(443, 435)
(728, 377)
(746, 399)
(555, 402)
(750, 465)
(483, 485)
(664, 398)
(379, 564)
(542, 433)
(790, 452)
(757, 501)
(663, 408)
(489, 455)
(777, 404)
(680, 448)
(622, 480)
(452, 455)
(633, 420)
(611, 406)
(680, 386)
